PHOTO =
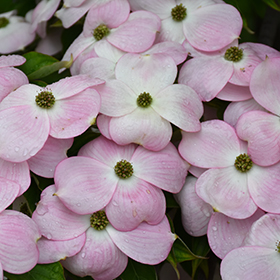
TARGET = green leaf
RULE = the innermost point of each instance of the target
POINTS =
(53, 271)
(40, 65)
(272, 4)
(138, 271)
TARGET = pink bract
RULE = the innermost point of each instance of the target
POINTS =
(127, 201)
(25, 126)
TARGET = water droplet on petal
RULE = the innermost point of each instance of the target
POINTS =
(214, 228)
(16, 149)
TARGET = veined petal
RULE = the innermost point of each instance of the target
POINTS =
(72, 116)
(117, 98)
(146, 73)
(18, 248)
(106, 151)
(265, 84)
(206, 75)
(55, 221)
(212, 27)
(23, 130)
(8, 192)
(232, 92)
(180, 105)
(262, 131)
(263, 50)
(148, 244)
(53, 152)
(235, 109)
(225, 233)
(196, 212)
(99, 258)
(51, 251)
(133, 202)
(227, 191)
(165, 168)
(97, 183)
(215, 145)
(137, 34)
(251, 263)
(144, 127)
(263, 184)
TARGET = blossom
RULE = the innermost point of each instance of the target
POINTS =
(129, 32)
(31, 113)
(104, 249)
(258, 258)
(205, 24)
(126, 180)
(261, 129)
(142, 101)
(234, 184)
(15, 33)
(18, 237)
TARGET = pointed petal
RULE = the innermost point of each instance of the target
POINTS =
(99, 258)
(96, 181)
(262, 132)
(24, 130)
(180, 105)
(144, 127)
(106, 151)
(133, 202)
(212, 27)
(206, 75)
(165, 169)
(148, 244)
(215, 145)
(225, 234)
(226, 190)
(51, 251)
(55, 221)
(195, 212)
(18, 248)
(53, 152)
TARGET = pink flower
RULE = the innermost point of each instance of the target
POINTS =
(261, 129)
(104, 250)
(234, 184)
(142, 101)
(113, 22)
(258, 258)
(18, 237)
(126, 180)
(31, 113)
(15, 33)
(206, 25)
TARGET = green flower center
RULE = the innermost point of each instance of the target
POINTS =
(243, 163)
(99, 220)
(277, 246)
(3, 22)
(179, 12)
(45, 99)
(124, 169)
(233, 54)
(144, 100)
(100, 32)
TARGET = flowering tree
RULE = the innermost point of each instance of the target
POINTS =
(138, 136)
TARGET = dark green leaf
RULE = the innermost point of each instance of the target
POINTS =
(53, 271)
(138, 271)
(272, 4)
(40, 65)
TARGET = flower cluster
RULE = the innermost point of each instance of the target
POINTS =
(140, 76)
